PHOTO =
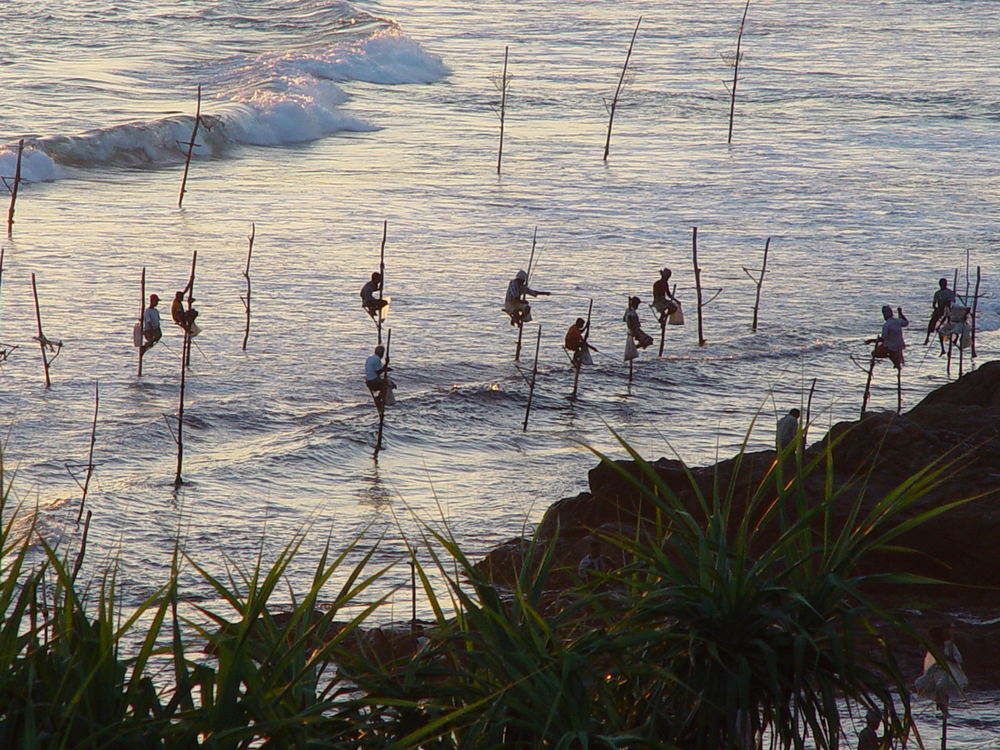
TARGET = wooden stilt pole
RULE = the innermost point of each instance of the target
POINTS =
(808, 421)
(81, 554)
(381, 273)
(179, 437)
(385, 391)
(975, 308)
(961, 349)
(621, 82)
(185, 363)
(190, 301)
(413, 592)
(13, 188)
(944, 727)
(899, 390)
(90, 454)
(190, 144)
(868, 385)
(759, 282)
(246, 275)
(41, 336)
(578, 357)
(520, 333)
(630, 370)
(503, 105)
(697, 282)
(736, 72)
(142, 319)
(534, 374)
(951, 343)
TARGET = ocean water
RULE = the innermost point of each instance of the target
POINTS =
(865, 147)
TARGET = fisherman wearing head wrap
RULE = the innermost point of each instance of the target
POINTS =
(514, 303)
(151, 323)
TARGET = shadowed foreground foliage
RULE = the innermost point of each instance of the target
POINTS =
(736, 622)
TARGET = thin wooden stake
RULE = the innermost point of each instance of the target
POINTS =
(697, 282)
(246, 275)
(951, 344)
(577, 362)
(899, 390)
(41, 336)
(142, 319)
(385, 392)
(83, 548)
(185, 362)
(189, 320)
(14, 187)
(90, 454)
(809, 403)
(621, 82)
(736, 72)
(381, 273)
(868, 385)
(503, 106)
(534, 374)
(630, 371)
(190, 144)
(759, 282)
(413, 592)
(975, 307)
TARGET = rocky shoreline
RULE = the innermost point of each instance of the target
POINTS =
(957, 426)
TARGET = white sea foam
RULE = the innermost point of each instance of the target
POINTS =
(36, 165)
(271, 99)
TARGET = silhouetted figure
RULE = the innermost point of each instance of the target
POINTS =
(373, 306)
(177, 309)
(943, 299)
(868, 738)
(664, 302)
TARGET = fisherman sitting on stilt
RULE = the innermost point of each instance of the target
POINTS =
(577, 345)
(515, 304)
(664, 302)
(373, 306)
(631, 318)
(379, 385)
(890, 343)
(941, 303)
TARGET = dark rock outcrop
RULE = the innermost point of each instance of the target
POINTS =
(956, 428)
